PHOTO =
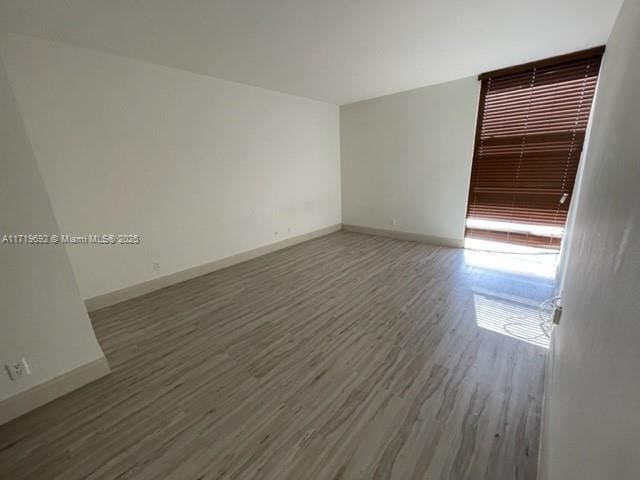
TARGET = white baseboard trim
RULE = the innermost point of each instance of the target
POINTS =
(37, 396)
(414, 237)
(117, 296)
(543, 446)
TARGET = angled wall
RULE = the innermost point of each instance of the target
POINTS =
(202, 169)
(591, 427)
(42, 317)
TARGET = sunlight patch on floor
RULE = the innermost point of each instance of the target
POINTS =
(510, 258)
(517, 318)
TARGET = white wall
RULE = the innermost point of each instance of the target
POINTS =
(592, 410)
(42, 316)
(201, 168)
(408, 157)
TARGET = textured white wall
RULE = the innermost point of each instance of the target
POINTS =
(201, 168)
(591, 418)
(408, 157)
(42, 316)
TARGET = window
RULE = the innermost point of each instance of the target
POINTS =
(531, 127)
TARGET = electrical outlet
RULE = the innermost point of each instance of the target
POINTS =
(156, 266)
(557, 313)
(17, 370)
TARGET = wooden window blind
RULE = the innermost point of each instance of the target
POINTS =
(531, 127)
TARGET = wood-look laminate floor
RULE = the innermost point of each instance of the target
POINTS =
(346, 357)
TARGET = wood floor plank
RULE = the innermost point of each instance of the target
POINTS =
(347, 357)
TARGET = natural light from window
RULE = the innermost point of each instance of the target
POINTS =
(515, 317)
(497, 226)
(507, 268)
(506, 257)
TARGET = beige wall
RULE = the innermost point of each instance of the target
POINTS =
(42, 316)
(408, 157)
(202, 168)
(591, 428)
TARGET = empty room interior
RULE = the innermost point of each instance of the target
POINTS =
(294, 239)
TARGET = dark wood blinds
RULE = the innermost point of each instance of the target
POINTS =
(531, 127)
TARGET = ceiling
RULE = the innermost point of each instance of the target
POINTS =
(338, 51)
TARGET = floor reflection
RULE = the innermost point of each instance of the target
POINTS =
(512, 289)
(537, 262)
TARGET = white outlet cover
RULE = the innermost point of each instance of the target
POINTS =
(17, 370)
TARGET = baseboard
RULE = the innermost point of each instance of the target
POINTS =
(414, 237)
(117, 296)
(543, 445)
(37, 396)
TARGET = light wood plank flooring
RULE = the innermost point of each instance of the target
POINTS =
(346, 357)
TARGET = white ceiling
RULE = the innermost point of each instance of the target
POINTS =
(339, 51)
